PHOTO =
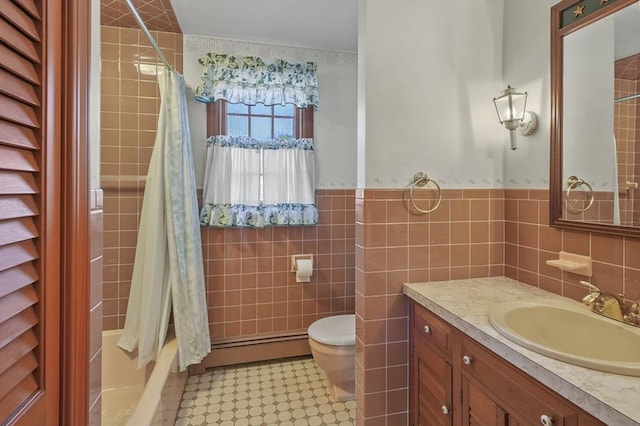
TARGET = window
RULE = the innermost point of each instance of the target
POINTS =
(260, 167)
(259, 121)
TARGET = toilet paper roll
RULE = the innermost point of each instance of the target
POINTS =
(304, 269)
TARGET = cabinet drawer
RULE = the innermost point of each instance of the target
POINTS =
(525, 400)
(431, 328)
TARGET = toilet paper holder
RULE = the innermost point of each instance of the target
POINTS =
(296, 257)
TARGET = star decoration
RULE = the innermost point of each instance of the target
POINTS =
(579, 10)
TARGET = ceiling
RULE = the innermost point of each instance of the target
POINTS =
(321, 24)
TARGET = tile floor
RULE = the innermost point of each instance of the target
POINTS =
(290, 392)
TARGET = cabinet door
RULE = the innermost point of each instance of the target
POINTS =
(432, 378)
(478, 409)
(525, 401)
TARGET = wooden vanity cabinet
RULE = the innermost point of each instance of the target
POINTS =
(452, 373)
(431, 400)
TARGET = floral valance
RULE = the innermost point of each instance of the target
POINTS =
(241, 215)
(249, 80)
(251, 143)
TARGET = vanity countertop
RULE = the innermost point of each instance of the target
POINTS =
(465, 304)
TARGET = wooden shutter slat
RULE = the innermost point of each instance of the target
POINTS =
(16, 302)
(18, 41)
(18, 65)
(17, 254)
(15, 326)
(17, 183)
(30, 7)
(18, 18)
(13, 231)
(13, 134)
(17, 206)
(18, 395)
(16, 111)
(18, 89)
(23, 368)
(21, 346)
(17, 159)
(15, 278)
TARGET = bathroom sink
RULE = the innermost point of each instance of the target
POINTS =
(570, 332)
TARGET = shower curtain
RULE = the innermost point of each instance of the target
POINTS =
(168, 268)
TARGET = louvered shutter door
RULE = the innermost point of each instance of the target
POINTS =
(22, 352)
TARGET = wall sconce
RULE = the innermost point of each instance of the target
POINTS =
(511, 109)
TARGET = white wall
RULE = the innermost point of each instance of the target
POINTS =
(421, 95)
(527, 64)
(334, 120)
(429, 70)
(527, 52)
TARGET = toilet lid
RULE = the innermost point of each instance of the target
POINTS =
(339, 330)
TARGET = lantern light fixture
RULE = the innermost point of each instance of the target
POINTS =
(511, 108)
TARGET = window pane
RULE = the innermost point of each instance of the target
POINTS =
(261, 128)
(283, 110)
(283, 127)
(260, 109)
(237, 125)
(237, 108)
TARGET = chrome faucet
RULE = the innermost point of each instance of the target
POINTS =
(611, 306)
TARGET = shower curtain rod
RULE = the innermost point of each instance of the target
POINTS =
(626, 98)
(144, 28)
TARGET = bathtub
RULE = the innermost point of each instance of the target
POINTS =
(139, 397)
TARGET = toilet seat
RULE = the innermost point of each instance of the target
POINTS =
(337, 330)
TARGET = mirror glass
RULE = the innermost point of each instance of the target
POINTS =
(599, 138)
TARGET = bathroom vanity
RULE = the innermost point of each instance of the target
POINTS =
(464, 372)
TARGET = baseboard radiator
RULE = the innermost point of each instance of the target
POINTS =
(262, 348)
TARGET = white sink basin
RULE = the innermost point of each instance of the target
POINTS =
(569, 331)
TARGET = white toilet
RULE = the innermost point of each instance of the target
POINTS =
(333, 346)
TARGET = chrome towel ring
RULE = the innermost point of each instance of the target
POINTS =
(573, 183)
(419, 180)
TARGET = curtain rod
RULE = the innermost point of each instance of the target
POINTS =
(626, 98)
(144, 28)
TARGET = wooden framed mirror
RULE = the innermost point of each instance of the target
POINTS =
(595, 116)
